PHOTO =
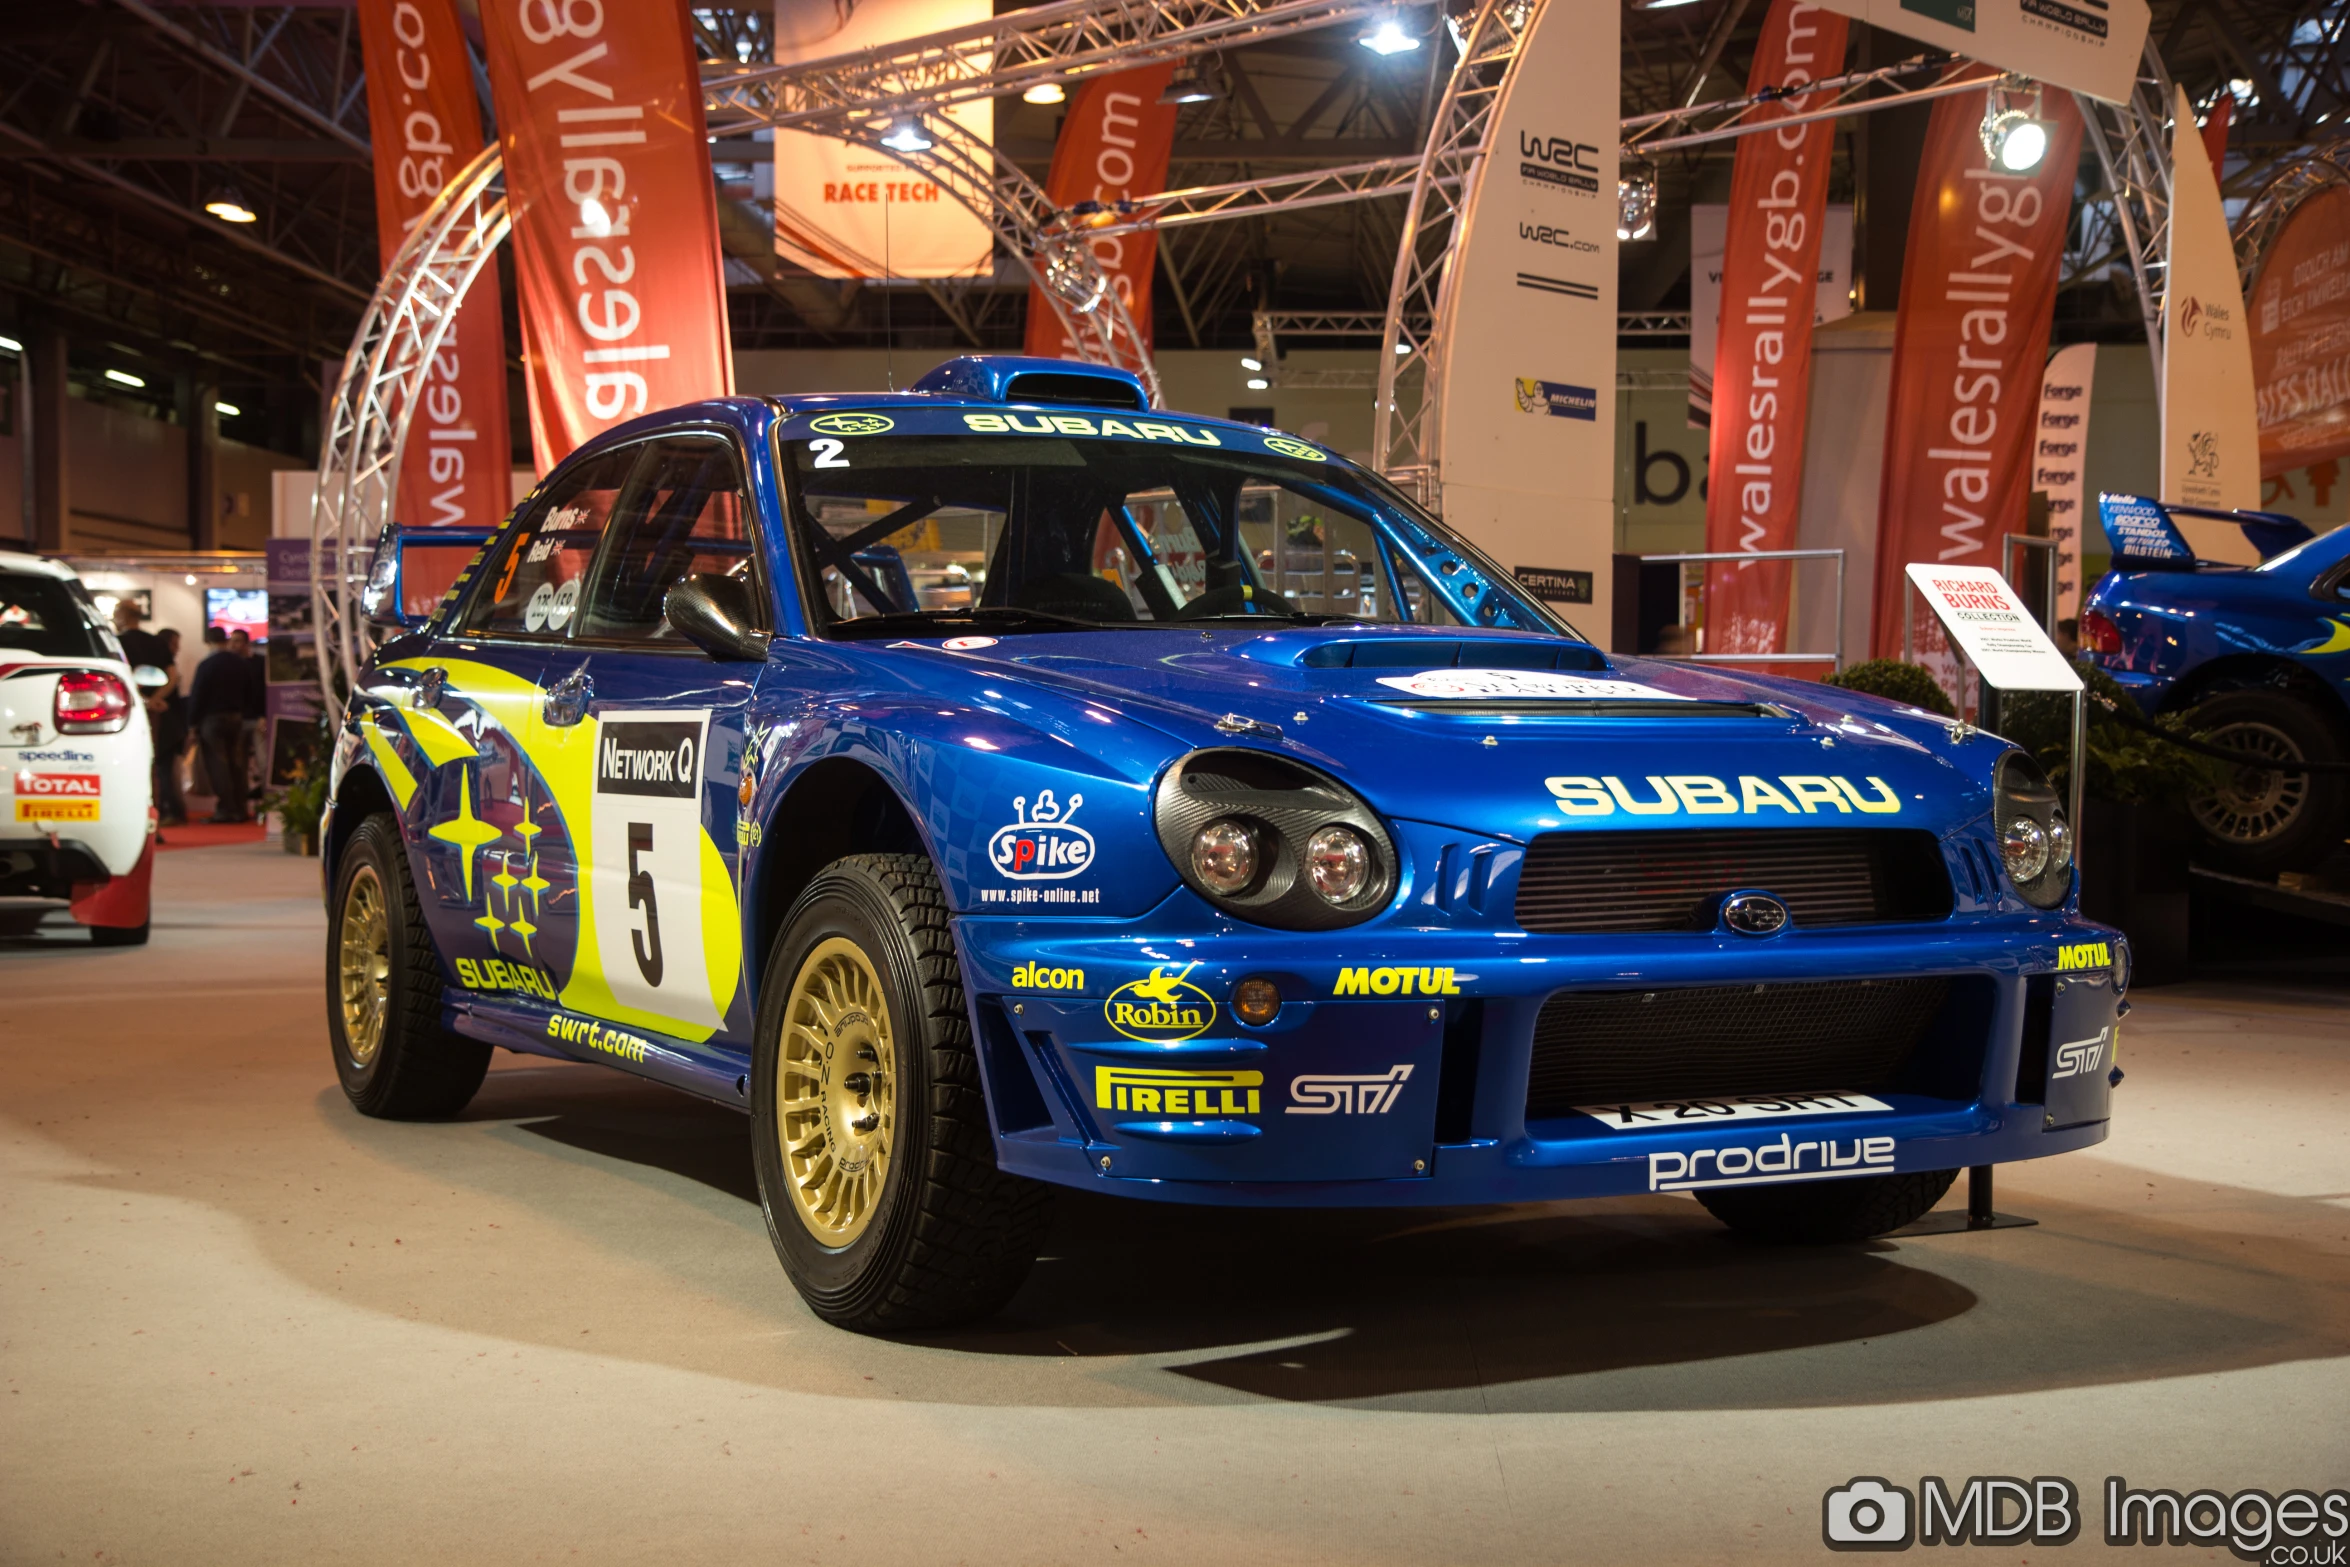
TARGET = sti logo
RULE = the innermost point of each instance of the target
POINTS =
(2082, 1056)
(1348, 1095)
(1041, 844)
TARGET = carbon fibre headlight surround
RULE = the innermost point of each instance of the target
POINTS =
(2035, 840)
(1282, 806)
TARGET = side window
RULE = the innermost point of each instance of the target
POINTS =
(1323, 561)
(686, 513)
(535, 588)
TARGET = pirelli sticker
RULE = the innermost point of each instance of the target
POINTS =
(1138, 1090)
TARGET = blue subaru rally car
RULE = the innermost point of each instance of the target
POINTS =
(2259, 656)
(1003, 785)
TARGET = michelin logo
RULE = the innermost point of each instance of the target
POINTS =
(1769, 1163)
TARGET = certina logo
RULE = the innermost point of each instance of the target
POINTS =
(1348, 1095)
(1559, 161)
(2082, 1056)
(1079, 424)
(1042, 844)
(1161, 1008)
(1697, 794)
(498, 974)
(1141, 1090)
(589, 1034)
(649, 757)
(1784, 1160)
(1558, 238)
(2084, 955)
(1035, 976)
(1396, 982)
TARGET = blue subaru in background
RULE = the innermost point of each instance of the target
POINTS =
(2258, 656)
(1006, 785)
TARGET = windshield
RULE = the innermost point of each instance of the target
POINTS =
(1049, 532)
(45, 615)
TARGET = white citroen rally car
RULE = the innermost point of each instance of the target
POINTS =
(78, 760)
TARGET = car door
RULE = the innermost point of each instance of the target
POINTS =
(496, 851)
(661, 945)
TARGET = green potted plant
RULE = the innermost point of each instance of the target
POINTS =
(301, 805)
(1896, 681)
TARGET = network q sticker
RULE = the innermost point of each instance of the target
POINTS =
(1486, 685)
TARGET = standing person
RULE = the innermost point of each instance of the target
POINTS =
(256, 731)
(167, 715)
(138, 647)
(216, 703)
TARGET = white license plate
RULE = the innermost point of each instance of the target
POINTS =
(1660, 1114)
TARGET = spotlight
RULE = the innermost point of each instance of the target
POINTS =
(1046, 93)
(228, 205)
(124, 378)
(1402, 349)
(227, 410)
(2014, 139)
(1190, 84)
(1387, 36)
(1636, 201)
(906, 135)
(11, 345)
(1257, 383)
(1248, 363)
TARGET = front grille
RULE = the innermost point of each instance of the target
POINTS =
(1593, 882)
(1612, 1046)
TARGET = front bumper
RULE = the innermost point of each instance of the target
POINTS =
(1397, 1069)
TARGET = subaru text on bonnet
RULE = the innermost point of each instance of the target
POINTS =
(1003, 785)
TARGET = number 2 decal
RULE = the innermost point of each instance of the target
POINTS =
(828, 453)
(640, 892)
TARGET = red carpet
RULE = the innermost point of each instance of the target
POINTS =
(210, 835)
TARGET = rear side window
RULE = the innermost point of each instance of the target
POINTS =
(44, 615)
(685, 513)
(535, 588)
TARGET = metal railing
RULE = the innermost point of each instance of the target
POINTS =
(1836, 658)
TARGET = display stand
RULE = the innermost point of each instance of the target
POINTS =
(1989, 628)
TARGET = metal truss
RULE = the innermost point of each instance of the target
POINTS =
(376, 397)
(1404, 419)
(2132, 142)
(1254, 198)
(1833, 97)
(2265, 214)
(1652, 323)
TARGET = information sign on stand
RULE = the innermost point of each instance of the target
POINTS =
(1984, 619)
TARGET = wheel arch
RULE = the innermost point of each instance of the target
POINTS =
(2257, 672)
(361, 794)
(835, 807)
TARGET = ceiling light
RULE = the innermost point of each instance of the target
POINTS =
(1045, 93)
(1257, 383)
(227, 410)
(1402, 349)
(1636, 201)
(2014, 139)
(1665, 5)
(191, 579)
(1247, 363)
(11, 345)
(228, 205)
(907, 136)
(1387, 36)
(1190, 84)
(124, 378)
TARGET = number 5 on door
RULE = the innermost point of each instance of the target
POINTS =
(646, 875)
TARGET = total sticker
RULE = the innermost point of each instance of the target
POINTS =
(1469, 685)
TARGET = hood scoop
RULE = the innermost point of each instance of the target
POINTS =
(1423, 650)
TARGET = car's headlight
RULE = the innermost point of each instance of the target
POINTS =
(1274, 841)
(2035, 841)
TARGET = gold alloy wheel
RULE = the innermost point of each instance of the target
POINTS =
(364, 965)
(835, 1100)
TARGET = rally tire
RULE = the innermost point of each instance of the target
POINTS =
(2259, 823)
(950, 1237)
(119, 935)
(1827, 1213)
(414, 1069)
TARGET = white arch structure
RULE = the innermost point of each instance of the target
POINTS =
(859, 97)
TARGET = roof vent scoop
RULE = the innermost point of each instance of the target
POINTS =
(1011, 378)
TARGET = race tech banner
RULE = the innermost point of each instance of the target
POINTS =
(2301, 337)
(1113, 145)
(615, 219)
(2210, 434)
(849, 211)
(1762, 347)
(426, 125)
(2060, 448)
(1978, 290)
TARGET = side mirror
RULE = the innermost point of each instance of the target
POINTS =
(717, 614)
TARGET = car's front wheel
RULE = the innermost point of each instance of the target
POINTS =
(383, 989)
(869, 1129)
(1827, 1213)
(2262, 822)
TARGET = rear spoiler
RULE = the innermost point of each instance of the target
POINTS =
(2145, 538)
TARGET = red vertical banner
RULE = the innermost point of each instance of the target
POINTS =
(1978, 292)
(1113, 146)
(425, 123)
(615, 219)
(1762, 355)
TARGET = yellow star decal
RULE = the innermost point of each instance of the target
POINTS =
(491, 923)
(466, 831)
(534, 883)
(524, 929)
